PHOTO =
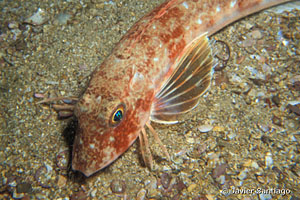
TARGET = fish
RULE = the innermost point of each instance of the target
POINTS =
(157, 72)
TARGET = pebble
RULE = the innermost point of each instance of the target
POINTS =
(295, 102)
(190, 140)
(24, 188)
(276, 100)
(269, 160)
(296, 169)
(151, 183)
(265, 196)
(63, 18)
(218, 129)
(243, 174)
(81, 195)
(118, 186)
(256, 34)
(221, 179)
(276, 120)
(62, 159)
(13, 25)
(205, 128)
(191, 187)
(219, 170)
(165, 179)
(231, 135)
(37, 18)
(94, 193)
(61, 181)
(263, 127)
(141, 195)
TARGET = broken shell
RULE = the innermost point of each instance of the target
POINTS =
(37, 18)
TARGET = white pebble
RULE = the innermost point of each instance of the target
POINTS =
(265, 196)
(269, 160)
(243, 174)
(205, 128)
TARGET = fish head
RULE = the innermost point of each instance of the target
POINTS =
(109, 121)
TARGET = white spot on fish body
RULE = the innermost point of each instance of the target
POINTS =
(111, 139)
(98, 99)
(107, 152)
(92, 146)
(187, 28)
(185, 5)
(232, 4)
(93, 128)
(199, 21)
(218, 9)
(156, 59)
(154, 27)
(136, 79)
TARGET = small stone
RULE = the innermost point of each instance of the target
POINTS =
(61, 181)
(276, 100)
(24, 188)
(93, 193)
(221, 180)
(294, 109)
(190, 140)
(243, 174)
(296, 169)
(151, 183)
(266, 139)
(165, 179)
(218, 129)
(261, 179)
(141, 195)
(265, 196)
(263, 127)
(62, 159)
(268, 160)
(81, 195)
(13, 25)
(118, 186)
(63, 18)
(231, 135)
(191, 187)
(219, 170)
(256, 34)
(277, 121)
(254, 165)
(205, 128)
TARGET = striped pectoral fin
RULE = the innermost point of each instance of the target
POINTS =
(191, 78)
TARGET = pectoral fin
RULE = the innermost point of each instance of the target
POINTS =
(191, 78)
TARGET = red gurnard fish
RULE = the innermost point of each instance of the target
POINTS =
(157, 72)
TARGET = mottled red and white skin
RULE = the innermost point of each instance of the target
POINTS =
(157, 71)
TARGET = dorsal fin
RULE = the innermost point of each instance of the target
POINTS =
(191, 78)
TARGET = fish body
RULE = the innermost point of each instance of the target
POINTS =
(151, 75)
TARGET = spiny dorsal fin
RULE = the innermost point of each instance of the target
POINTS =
(191, 78)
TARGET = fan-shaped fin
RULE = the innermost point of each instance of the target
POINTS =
(191, 78)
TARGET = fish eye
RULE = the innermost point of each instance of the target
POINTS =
(117, 115)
